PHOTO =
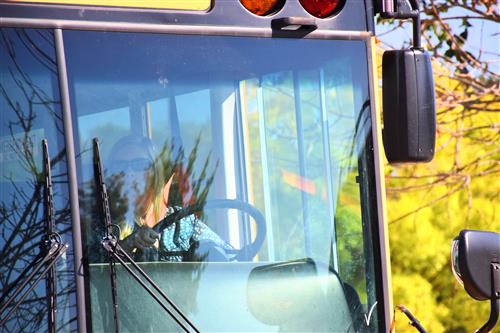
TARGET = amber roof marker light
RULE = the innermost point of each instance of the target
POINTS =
(321, 8)
(263, 7)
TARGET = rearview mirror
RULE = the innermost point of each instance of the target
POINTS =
(279, 294)
(408, 106)
(475, 262)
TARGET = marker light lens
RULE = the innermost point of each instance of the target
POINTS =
(454, 261)
(320, 8)
(262, 7)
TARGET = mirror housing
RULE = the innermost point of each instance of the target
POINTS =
(409, 132)
(475, 262)
(472, 254)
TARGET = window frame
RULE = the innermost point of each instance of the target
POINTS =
(379, 230)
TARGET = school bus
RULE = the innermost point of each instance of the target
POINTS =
(201, 165)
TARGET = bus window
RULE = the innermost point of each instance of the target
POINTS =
(268, 150)
(318, 175)
(30, 111)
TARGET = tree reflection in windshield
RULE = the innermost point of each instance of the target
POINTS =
(30, 107)
(188, 188)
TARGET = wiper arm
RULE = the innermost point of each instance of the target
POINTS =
(51, 248)
(116, 252)
(56, 250)
(111, 245)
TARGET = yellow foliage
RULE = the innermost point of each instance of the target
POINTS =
(416, 294)
(428, 205)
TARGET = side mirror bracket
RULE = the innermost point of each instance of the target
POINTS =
(404, 11)
(495, 295)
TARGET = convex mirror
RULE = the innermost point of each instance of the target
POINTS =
(472, 255)
(408, 106)
(475, 262)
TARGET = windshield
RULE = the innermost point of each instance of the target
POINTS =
(263, 145)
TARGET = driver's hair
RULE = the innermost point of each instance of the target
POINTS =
(152, 198)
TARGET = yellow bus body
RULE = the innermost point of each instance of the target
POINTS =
(157, 4)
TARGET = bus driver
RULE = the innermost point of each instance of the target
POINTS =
(146, 189)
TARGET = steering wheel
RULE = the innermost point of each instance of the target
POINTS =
(247, 252)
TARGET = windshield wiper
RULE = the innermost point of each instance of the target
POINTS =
(51, 248)
(116, 252)
(49, 232)
(108, 226)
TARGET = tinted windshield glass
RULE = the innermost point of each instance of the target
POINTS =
(29, 112)
(260, 144)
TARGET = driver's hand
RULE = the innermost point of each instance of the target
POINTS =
(141, 239)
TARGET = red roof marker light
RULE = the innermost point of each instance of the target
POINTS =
(262, 7)
(320, 8)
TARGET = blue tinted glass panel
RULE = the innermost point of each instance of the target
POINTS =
(261, 144)
(30, 111)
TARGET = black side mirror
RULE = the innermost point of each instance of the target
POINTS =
(475, 261)
(408, 106)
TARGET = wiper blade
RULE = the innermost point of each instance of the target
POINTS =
(49, 231)
(116, 252)
(51, 248)
(106, 216)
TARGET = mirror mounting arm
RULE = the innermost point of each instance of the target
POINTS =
(495, 296)
(404, 11)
